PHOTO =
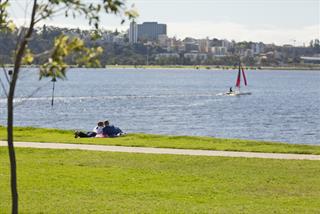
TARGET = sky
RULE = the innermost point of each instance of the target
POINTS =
(294, 22)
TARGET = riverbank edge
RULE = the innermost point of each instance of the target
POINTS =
(47, 135)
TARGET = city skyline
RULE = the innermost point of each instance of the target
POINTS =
(281, 22)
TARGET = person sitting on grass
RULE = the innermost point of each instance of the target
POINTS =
(111, 130)
(97, 132)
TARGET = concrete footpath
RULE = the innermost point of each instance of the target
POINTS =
(163, 151)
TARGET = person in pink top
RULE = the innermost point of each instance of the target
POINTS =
(99, 130)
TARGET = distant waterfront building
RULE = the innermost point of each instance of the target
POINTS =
(191, 47)
(119, 39)
(196, 56)
(204, 45)
(257, 48)
(163, 40)
(150, 31)
(176, 45)
(133, 33)
(248, 53)
(219, 51)
(225, 43)
(171, 45)
(310, 59)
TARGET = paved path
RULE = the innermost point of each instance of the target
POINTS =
(163, 151)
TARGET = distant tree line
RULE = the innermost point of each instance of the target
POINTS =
(124, 53)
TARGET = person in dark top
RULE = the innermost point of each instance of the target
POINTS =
(110, 130)
(230, 90)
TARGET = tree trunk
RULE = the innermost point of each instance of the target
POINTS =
(13, 82)
(14, 189)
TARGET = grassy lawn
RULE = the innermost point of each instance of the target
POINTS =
(55, 181)
(161, 141)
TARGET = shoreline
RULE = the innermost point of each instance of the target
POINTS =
(47, 135)
(215, 67)
(195, 67)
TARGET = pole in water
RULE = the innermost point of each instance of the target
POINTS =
(53, 82)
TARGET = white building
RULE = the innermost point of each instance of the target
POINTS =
(196, 56)
(219, 51)
(133, 33)
(163, 40)
(257, 48)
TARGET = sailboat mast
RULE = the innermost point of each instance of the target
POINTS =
(244, 76)
(239, 77)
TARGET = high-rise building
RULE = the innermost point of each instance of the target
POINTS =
(133, 33)
(149, 31)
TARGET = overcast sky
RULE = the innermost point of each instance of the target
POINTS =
(270, 21)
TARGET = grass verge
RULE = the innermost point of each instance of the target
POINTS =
(31, 134)
(61, 181)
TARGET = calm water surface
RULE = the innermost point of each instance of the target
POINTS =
(284, 105)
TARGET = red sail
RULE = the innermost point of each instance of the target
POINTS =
(244, 77)
(238, 79)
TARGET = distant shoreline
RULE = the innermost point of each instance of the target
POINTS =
(196, 67)
(211, 67)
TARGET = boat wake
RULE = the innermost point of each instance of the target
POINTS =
(115, 97)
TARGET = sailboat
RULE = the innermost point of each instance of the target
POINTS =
(237, 92)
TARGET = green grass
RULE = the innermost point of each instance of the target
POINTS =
(161, 141)
(71, 181)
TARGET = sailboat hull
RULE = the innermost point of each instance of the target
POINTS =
(238, 93)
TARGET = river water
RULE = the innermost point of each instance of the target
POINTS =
(284, 105)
